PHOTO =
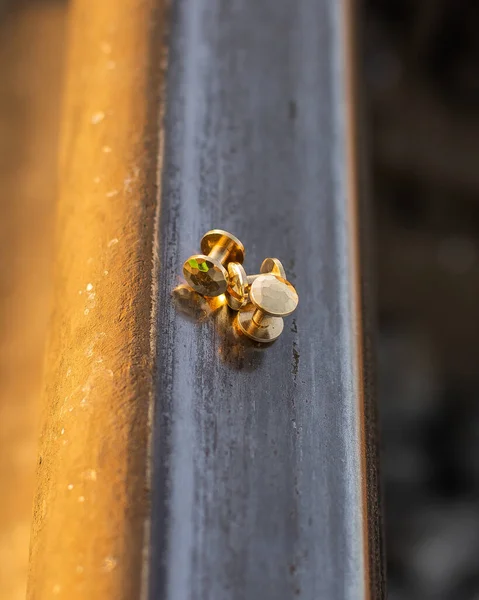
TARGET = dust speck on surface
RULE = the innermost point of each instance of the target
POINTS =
(89, 287)
(105, 47)
(106, 149)
(105, 272)
(69, 372)
(112, 242)
(81, 498)
(62, 431)
(109, 563)
(86, 311)
(90, 474)
(90, 349)
(97, 117)
(70, 486)
(112, 193)
(96, 180)
(128, 181)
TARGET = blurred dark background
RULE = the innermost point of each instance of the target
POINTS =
(421, 79)
(421, 76)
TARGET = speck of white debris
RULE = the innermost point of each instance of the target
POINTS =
(81, 498)
(109, 564)
(97, 117)
(112, 242)
(105, 47)
(62, 432)
(80, 292)
(90, 474)
(96, 180)
(70, 409)
(111, 64)
(79, 569)
(105, 272)
(89, 287)
(70, 486)
(111, 194)
(106, 149)
(69, 372)
(56, 589)
(86, 311)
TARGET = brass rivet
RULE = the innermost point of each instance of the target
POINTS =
(273, 298)
(206, 272)
(239, 284)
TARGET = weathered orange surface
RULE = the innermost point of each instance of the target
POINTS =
(91, 503)
(31, 49)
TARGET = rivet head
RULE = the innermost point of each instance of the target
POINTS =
(237, 285)
(205, 275)
(237, 294)
(274, 295)
(273, 266)
(223, 239)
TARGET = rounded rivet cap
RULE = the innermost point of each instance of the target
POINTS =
(205, 275)
(274, 266)
(274, 295)
(219, 237)
(237, 284)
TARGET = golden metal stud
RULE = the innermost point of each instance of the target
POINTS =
(273, 298)
(206, 272)
(239, 284)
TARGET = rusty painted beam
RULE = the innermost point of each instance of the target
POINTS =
(31, 42)
(91, 503)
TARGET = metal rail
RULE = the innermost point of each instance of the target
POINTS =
(264, 465)
(262, 468)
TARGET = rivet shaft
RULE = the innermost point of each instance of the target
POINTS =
(258, 316)
(221, 250)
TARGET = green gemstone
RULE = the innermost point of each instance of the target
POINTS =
(193, 263)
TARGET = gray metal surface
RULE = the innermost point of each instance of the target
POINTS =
(258, 477)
